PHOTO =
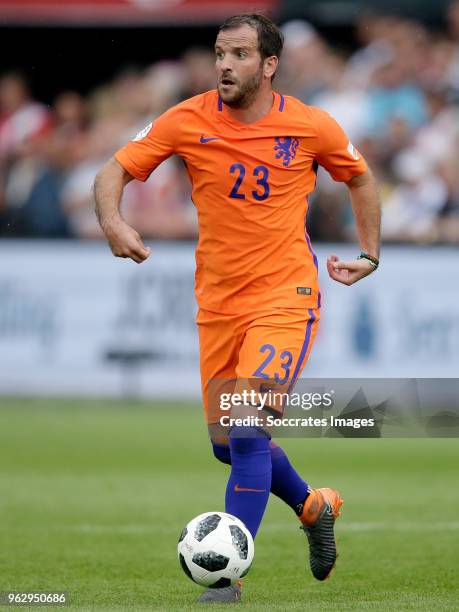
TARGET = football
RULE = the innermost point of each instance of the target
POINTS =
(215, 549)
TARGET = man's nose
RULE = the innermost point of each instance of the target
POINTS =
(225, 65)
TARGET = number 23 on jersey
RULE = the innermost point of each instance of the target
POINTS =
(240, 188)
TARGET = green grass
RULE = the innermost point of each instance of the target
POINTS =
(93, 496)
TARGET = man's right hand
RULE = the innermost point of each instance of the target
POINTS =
(124, 241)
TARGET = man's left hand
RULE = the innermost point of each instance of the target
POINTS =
(348, 272)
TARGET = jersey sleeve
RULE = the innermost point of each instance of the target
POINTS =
(155, 143)
(335, 152)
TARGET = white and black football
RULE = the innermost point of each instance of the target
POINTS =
(215, 549)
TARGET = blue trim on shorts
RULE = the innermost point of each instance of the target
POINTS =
(304, 348)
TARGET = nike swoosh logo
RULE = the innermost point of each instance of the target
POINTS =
(239, 489)
(203, 140)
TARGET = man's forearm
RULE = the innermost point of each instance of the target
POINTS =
(367, 212)
(108, 190)
(123, 240)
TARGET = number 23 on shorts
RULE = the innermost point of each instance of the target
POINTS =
(286, 359)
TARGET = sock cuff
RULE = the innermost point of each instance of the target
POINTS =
(246, 440)
(222, 452)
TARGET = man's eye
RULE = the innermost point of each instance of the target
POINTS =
(219, 55)
(241, 54)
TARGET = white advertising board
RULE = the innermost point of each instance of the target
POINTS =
(76, 321)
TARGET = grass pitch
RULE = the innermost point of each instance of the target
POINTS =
(93, 496)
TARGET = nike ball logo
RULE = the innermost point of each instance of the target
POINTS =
(203, 140)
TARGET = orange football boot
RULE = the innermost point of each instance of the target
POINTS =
(320, 510)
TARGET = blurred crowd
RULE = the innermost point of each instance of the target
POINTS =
(397, 97)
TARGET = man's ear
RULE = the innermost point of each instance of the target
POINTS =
(270, 66)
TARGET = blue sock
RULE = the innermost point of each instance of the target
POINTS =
(249, 483)
(286, 483)
(222, 452)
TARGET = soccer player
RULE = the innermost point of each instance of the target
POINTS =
(252, 156)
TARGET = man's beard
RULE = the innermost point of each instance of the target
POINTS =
(245, 93)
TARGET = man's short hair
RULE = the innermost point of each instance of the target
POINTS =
(270, 38)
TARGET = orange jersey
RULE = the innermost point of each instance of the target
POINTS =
(250, 185)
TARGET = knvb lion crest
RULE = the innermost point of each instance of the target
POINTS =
(285, 148)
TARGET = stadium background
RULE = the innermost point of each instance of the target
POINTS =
(92, 490)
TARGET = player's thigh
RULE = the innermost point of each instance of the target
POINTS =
(276, 348)
(220, 339)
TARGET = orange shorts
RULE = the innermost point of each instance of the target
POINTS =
(266, 345)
